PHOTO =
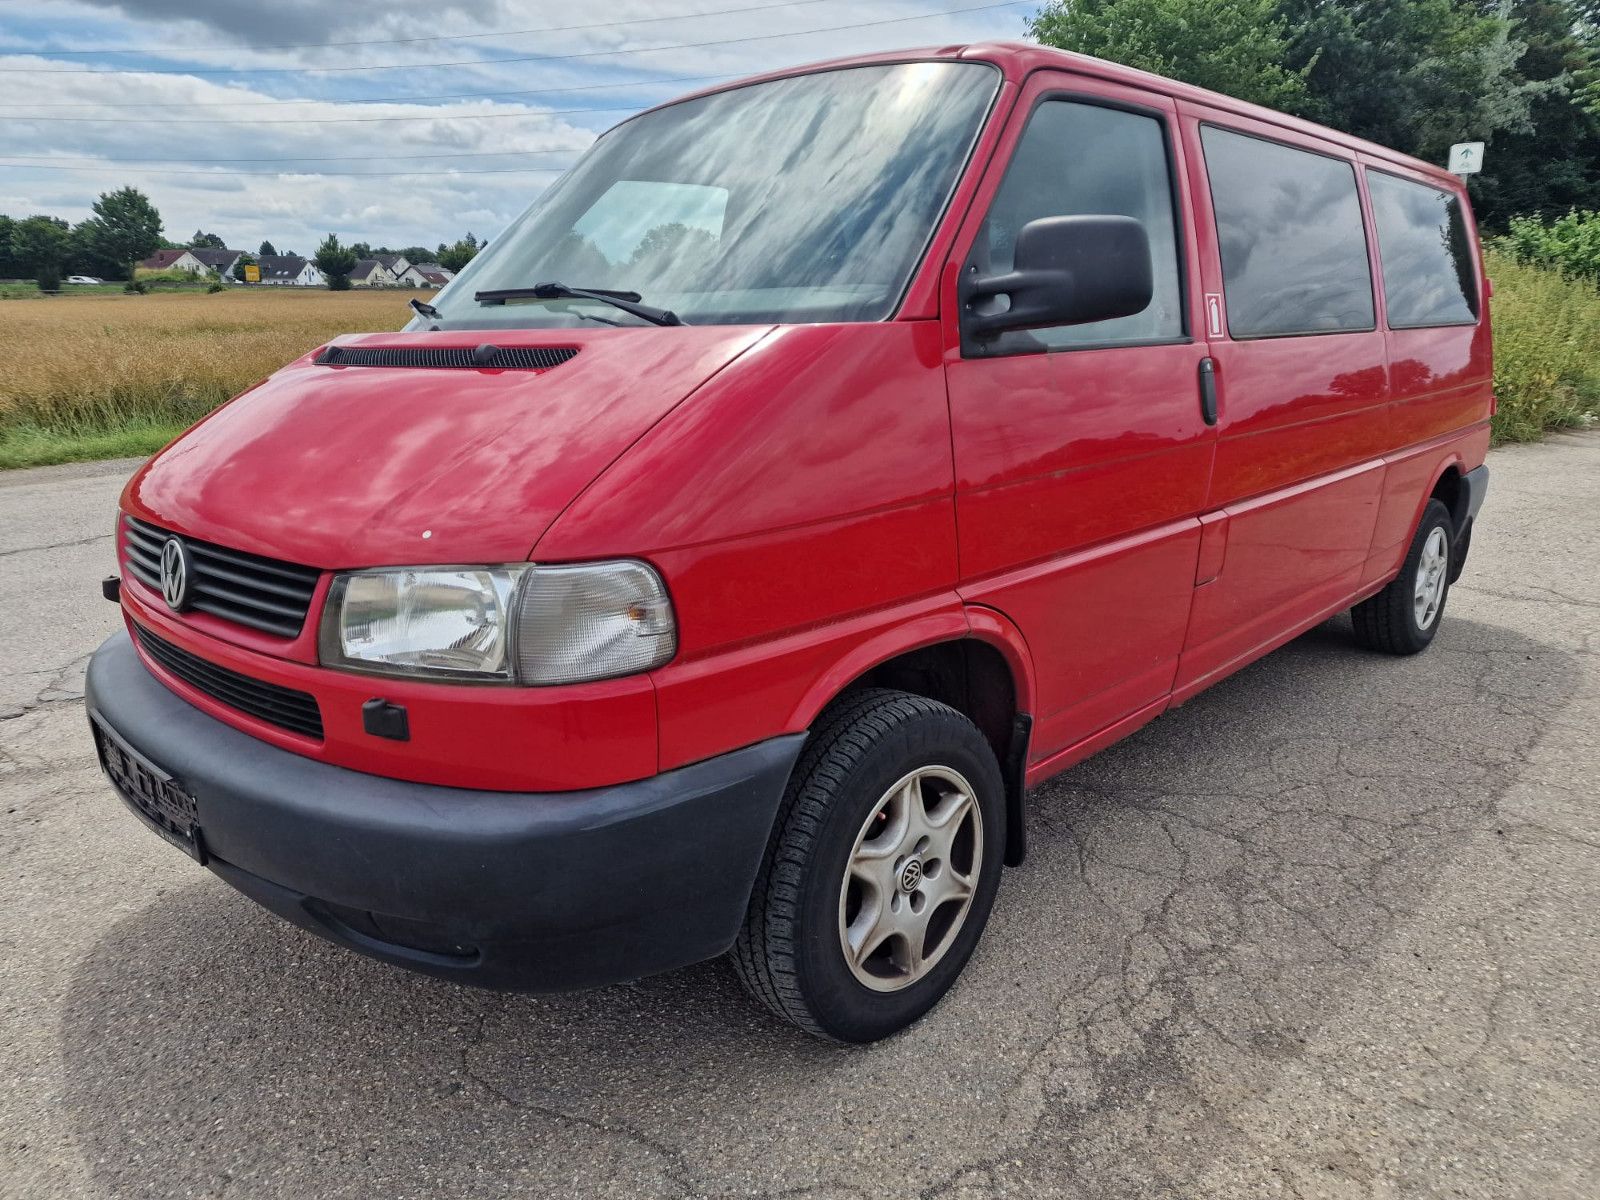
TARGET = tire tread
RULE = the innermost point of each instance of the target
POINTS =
(1384, 622)
(763, 955)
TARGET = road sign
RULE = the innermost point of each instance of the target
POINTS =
(1466, 158)
(252, 273)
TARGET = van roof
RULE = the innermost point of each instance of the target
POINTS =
(1017, 60)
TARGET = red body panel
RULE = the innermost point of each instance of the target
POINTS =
(823, 498)
(350, 466)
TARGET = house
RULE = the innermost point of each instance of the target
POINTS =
(289, 270)
(371, 272)
(204, 261)
(174, 260)
(432, 274)
(218, 262)
(418, 275)
(398, 264)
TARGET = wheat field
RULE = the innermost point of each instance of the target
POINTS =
(102, 375)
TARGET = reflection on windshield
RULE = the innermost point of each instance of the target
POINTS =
(801, 199)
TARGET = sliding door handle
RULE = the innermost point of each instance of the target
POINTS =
(1208, 391)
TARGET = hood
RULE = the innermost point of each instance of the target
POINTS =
(349, 466)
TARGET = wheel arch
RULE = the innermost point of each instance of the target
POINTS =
(1450, 489)
(977, 663)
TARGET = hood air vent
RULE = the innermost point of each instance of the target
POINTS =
(481, 358)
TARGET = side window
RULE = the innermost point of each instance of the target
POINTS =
(1077, 159)
(1427, 255)
(1294, 252)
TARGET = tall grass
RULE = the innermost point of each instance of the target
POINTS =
(92, 376)
(1546, 349)
(95, 376)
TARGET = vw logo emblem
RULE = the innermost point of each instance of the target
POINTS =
(911, 875)
(176, 576)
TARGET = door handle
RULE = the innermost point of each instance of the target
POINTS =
(1208, 391)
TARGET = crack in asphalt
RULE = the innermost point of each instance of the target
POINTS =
(88, 541)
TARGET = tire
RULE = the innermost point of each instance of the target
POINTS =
(1403, 618)
(873, 762)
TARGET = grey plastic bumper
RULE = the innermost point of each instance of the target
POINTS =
(543, 891)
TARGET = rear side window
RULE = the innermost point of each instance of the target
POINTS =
(1079, 159)
(1427, 255)
(1294, 252)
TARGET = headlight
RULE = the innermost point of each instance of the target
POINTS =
(519, 623)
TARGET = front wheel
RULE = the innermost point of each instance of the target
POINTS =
(1403, 618)
(881, 871)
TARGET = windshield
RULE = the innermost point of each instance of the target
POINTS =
(801, 199)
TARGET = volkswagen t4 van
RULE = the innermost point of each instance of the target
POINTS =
(826, 459)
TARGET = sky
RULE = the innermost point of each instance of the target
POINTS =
(397, 122)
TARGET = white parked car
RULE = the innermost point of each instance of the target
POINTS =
(83, 279)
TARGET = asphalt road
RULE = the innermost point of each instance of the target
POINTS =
(1328, 930)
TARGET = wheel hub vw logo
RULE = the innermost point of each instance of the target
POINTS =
(911, 875)
(177, 578)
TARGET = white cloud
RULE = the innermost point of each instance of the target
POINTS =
(274, 119)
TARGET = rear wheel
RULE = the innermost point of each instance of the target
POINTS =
(1403, 618)
(881, 870)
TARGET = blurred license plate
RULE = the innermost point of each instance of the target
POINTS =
(155, 796)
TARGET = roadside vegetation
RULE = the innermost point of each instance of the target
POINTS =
(1569, 244)
(112, 375)
(106, 376)
(1546, 348)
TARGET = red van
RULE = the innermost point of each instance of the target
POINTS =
(825, 460)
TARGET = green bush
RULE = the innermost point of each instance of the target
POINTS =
(1546, 347)
(215, 288)
(136, 287)
(1569, 244)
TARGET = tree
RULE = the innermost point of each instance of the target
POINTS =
(206, 241)
(125, 227)
(361, 249)
(453, 258)
(265, 248)
(39, 245)
(335, 262)
(245, 260)
(1555, 167)
(1416, 75)
(9, 265)
(1237, 47)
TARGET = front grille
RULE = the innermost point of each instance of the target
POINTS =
(284, 707)
(246, 589)
(483, 358)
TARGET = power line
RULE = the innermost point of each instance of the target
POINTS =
(335, 174)
(298, 158)
(587, 87)
(487, 62)
(435, 115)
(164, 51)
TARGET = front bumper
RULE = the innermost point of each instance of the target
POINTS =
(540, 892)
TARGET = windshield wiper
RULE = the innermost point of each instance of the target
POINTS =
(425, 309)
(628, 302)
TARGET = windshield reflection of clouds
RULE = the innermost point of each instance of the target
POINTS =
(801, 199)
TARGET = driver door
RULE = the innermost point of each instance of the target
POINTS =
(1081, 452)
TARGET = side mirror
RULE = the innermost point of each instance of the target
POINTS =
(1065, 271)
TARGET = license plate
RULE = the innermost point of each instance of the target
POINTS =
(155, 796)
